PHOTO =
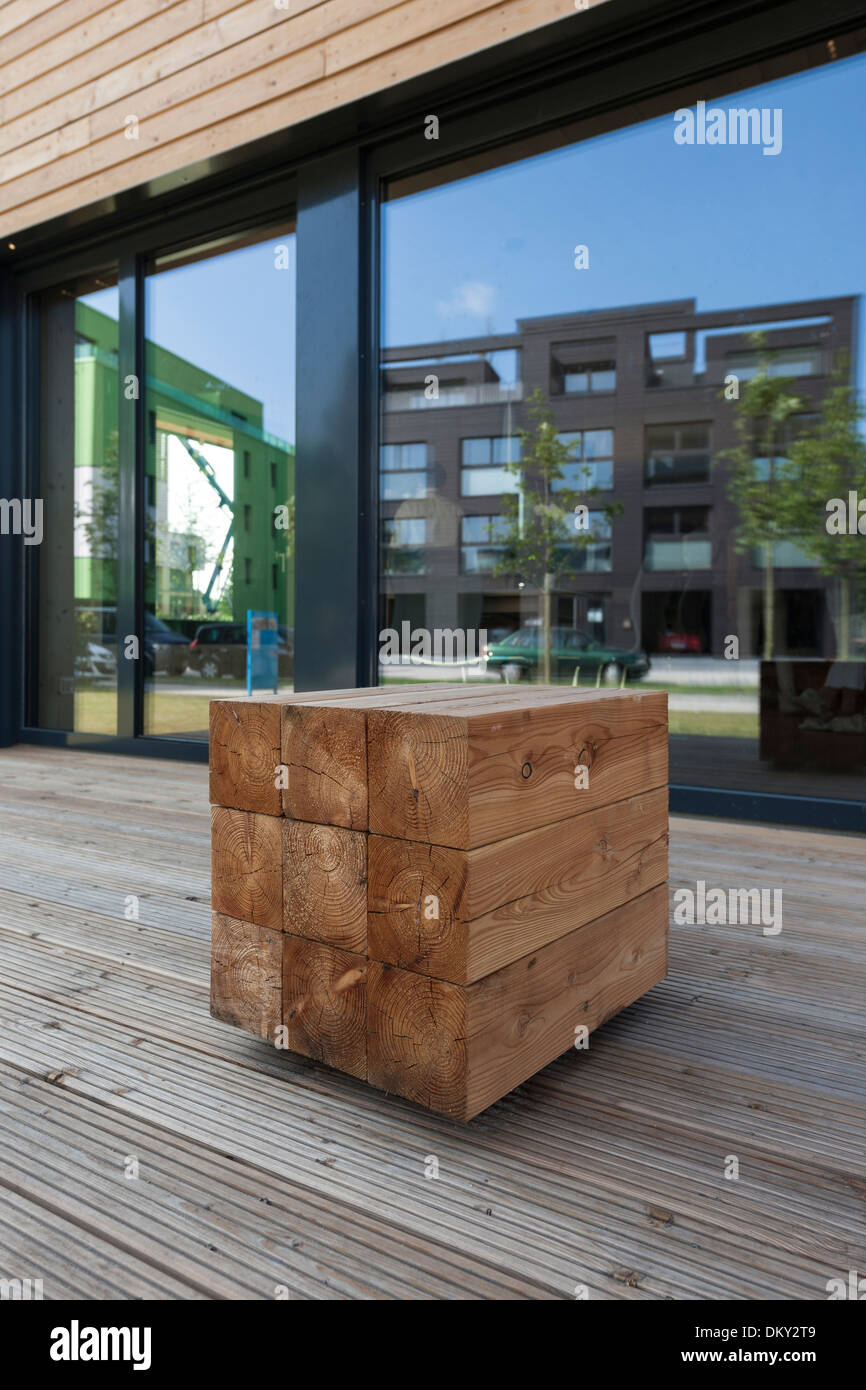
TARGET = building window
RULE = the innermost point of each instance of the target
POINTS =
(677, 454)
(591, 551)
(483, 471)
(584, 378)
(273, 474)
(481, 544)
(248, 511)
(403, 472)
(591, 460)
(793, 362)
(246, 463)
(667, 347)
(677, 538)
(403, 542)
(248, 570)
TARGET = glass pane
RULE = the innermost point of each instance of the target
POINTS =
(75, 521)
(485, 482)
(604, 380)
(661, 437)
(394, 487)
(475, 451)
(694, 437)
(597, 444)
(402, 456)
(506, 450)
(219, 472)
(680, 375)
(585, 477)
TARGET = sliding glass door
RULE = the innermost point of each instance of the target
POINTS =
(219, 472)
(162, 508)
(71, 519)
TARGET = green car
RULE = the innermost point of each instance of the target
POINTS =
(519, 655)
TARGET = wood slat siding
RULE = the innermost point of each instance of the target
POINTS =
(202, 77)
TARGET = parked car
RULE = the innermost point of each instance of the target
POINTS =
(96, 661)
(220, 649)
(163, 650)
(679, 642)
(519, 657)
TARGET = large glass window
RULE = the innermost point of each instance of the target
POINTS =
(482, 550)
(590, 461)
(678, 454)
(403, 542)
(723, 355)
(219, 471)
(403, 471)
(484, 471)
(73, 517)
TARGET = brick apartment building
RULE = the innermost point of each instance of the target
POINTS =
(639, 393)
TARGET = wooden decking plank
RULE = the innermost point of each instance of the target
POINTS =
(244, 1208)
(187, 1110)
(604, 1169)
(91, 1266)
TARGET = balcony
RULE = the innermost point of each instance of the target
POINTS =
(485, 393)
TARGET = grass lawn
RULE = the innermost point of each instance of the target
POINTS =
(696, 689)
(714, 725)
(96, 713)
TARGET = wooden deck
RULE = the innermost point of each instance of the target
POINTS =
(259, 1172)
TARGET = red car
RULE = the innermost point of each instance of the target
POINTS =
(679, 642)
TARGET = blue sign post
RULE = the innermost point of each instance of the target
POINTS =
(262, 662)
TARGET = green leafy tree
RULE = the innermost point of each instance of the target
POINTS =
(828, 463)
(761, 474)
(544, 522)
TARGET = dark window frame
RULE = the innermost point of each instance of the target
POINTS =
(244, 212)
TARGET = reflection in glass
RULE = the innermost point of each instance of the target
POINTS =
(702, 379)
(76, 666)
(219, 506)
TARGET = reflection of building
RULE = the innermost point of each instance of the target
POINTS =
(638, 391)
(190, 417)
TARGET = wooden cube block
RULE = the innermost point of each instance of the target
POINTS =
(325, 1004)
(246, 866)
(324, 748)
(325, 884)
(324, 756)
(461, 914)
(449, 882)
(464, 777)
(324, 751)
(456, 1049)
(244, 753)
(246, 975)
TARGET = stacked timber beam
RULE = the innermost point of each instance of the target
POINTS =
(437, 889)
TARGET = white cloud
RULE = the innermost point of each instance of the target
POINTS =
(472, 299)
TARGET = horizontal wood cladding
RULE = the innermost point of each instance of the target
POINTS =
(201, 77)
